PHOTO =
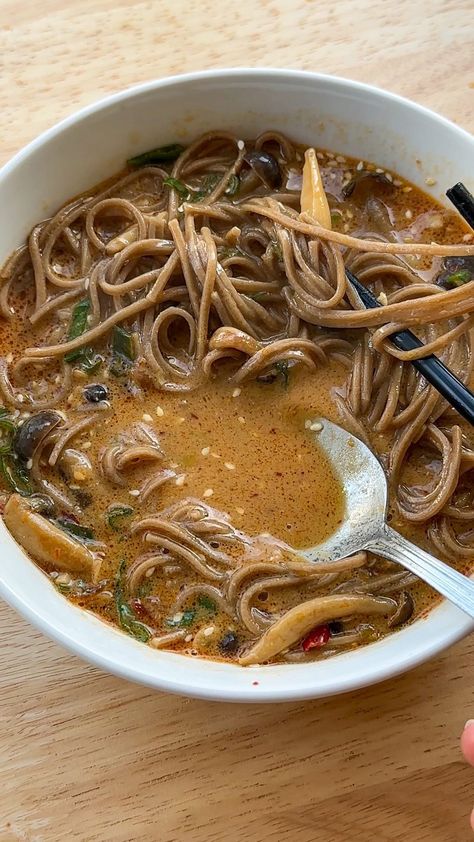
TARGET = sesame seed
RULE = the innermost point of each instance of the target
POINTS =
(236, 393)
(360, 166)
(320, 155)
(230, 466)
(379, 170)
(397, 182)
(160, 412)
(180, 420)
(208, 492)
(86, 283)
(216, 456)
(205, 451)
(241, 419)
(147, 417)
(239, 510)
(389, 176)
(382, 298)
(179, 481)
(87, 445)
(316, 427)
(307, 424)
(407, 189)
(408, 214)
(467, 238)
(150, 572)
(9, 358)
(430, 181)
(21, 398)
(240, 144)
(178, 617)
(188, 638)
(209, 631)
(134, 492)
(332, 162)
(29, 464)
(340, 159)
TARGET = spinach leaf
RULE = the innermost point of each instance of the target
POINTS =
(160, 155)
(86, 357)
(127, 619)
(187, 618)
(115, 514)
(14, 473)
(81, 533)
(123, 353)
(180, 188)
(207, 603)
(457, 279)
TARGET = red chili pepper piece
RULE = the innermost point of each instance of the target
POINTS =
(317, 637)
(139, 609)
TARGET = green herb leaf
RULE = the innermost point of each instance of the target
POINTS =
(457, 279)
(123, 353)
(256, 296)
(87, 359)
(127, 620)
(180, 188)
(115, 514)
(6, 422)
(283, 370)
(276, 249)
(160, 155)
(185, 621)
(207, 603)
(82, 533)
(14, 474)
(336, 218)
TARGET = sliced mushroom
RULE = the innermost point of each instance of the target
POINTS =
(45, 542)
(297, 622)
(76, 465)
(404, 611)
(33, 430)
(265, 166)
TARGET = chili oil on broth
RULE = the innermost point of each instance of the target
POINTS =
(242, 450)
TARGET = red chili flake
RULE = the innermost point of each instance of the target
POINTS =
(317, 637)
(139, 609)
(255, 682)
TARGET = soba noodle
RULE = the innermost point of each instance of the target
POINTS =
(205, 281)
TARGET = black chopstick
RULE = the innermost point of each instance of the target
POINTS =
(463, 201)
(433, 370)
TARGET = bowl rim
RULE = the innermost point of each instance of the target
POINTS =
(375, 671)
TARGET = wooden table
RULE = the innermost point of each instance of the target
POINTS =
(86, 756)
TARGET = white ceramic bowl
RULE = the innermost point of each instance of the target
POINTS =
(344, 116)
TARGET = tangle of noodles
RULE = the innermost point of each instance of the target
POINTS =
(199, 293)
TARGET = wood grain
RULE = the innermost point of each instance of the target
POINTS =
(85, 756)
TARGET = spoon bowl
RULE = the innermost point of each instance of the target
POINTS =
(365, 524)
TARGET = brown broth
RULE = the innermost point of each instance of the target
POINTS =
(245, 451)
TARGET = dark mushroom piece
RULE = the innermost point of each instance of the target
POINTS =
(365, 184)
(404, 610)
(33, 430)
(96, 392)
(265, 166)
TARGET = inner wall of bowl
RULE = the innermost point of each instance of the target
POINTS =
(85, 149)
(320, 111)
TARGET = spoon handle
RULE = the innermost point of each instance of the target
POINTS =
(453, 585)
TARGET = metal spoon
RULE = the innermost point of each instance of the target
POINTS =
(365, 526)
